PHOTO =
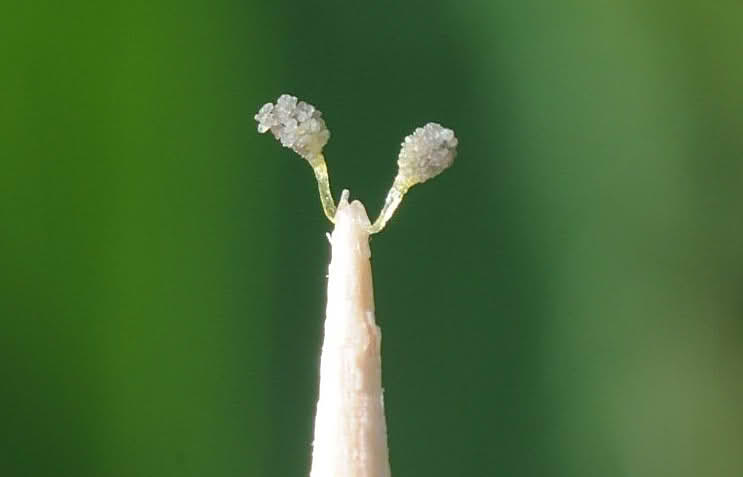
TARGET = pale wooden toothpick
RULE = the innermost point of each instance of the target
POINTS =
(350, 429)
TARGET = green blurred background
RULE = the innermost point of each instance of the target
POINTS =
(567, 300)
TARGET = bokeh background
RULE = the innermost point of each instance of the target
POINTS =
(567, 300)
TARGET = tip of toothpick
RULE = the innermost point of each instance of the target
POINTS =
(344, 197)
(354, 211)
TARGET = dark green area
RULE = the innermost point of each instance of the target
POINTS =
(567, 300)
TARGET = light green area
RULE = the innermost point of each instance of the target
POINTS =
(565, 301)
